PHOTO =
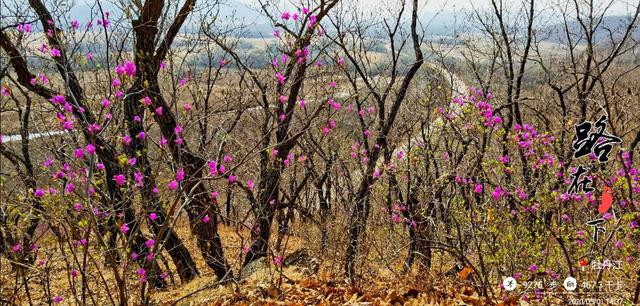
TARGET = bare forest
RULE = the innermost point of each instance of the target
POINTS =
(319, 152)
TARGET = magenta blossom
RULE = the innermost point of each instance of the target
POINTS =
(79, 153)
(477, 188)
(149, 243)
(116, 83)
(180, 175)
(120, 179)
(38, 193)
(173, 185)
(55, 52)
(90, 149)
(124, 228)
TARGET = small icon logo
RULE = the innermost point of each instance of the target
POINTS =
(570, 283)
(509, 283)
(583, 263)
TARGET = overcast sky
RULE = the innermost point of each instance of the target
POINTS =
(619, 7)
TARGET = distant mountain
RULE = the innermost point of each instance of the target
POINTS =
(610, 26)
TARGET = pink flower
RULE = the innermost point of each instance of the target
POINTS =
(504, 159)
(16, 248)
(126, 139)
(206, 219)
(497, 193)
(227, 158)
(79, 153)
(285, 15)
(153, 216)
(24, 28)
(129, 68)
(278, 260)
(281, 78)
(376, 174)
(159, 111)
(341, 61)
(400, 154)
(173, 185)
(124, 228)
(395, 218)
(57, 299)
(187, 106)
(522, 194)
(180, 175)
(232, 179)
(149, 243)
(214, 194)
(533, 268)
(366, 133)
(77, 207)
(250, 184)
(177, 129)
(139, 177)
(55, 52)
(106, 103)
(116, 83)
(213, 168)
(312, 21)
(477, 188)
(146, 101)
(58, 99)
(120, 179)
(89, 56)
(70, 187)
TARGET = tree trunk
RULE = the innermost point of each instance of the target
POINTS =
(267, 201)
(185, 265)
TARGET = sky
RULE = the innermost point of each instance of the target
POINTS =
(619, 7)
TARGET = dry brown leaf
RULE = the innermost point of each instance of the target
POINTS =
(464, 273)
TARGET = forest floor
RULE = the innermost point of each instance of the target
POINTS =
(268, 284)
